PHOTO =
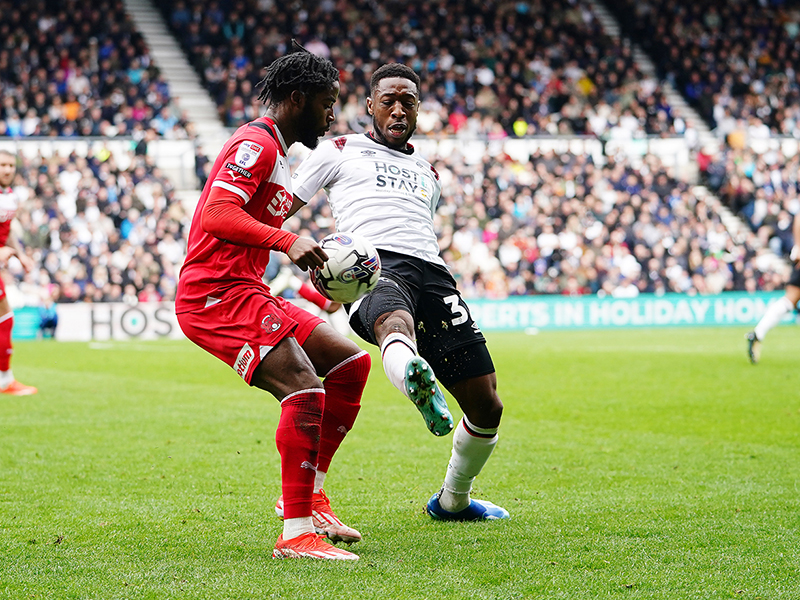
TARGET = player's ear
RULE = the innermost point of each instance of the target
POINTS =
(298, 98)
(369, 105)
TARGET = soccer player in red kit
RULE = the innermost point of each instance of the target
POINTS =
(9, 246)
(224, 306)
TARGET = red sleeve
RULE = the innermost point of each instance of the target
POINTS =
(224, 218)
(312, 295)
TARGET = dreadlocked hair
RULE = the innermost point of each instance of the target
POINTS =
(299, 70)
(393, 70)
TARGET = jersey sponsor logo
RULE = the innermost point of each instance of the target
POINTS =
(271, 323)
(400, 179)
(367, 153)
(339, 143)
(247, 154)
(280, 204)
(246, 357)
(237, 169)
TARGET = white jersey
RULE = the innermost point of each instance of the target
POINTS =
(384, 195)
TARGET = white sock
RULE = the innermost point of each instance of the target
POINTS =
(775, 312)
(319, 480)
(6, 379)
(470, 453)
(397, 349)
(293, 528)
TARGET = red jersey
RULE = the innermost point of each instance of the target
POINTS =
(8, 208)
(252, 165)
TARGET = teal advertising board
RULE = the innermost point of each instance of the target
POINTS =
(151, 321)
(586, 312)
(26, 323)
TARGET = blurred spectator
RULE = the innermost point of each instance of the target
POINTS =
(48, 317)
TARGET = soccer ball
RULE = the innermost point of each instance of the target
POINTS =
(352, 268)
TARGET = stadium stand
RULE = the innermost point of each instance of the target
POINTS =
(735, 62)
(76, 68)
(506, 69)
(564, 222)
(99, 233)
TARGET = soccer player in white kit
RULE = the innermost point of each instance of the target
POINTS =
(379, 187)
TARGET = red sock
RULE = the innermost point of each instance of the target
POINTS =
(297, 438)
(343, 388)
(6, 325)
(313, 296)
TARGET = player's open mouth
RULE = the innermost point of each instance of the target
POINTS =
(398, 129)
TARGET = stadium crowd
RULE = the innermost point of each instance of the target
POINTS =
(76, 68)
(496, 69)
(762, 188)
(98, 232)
(735, 62)
(556, 224)
(559, 224)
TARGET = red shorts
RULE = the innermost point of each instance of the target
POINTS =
(244, 326)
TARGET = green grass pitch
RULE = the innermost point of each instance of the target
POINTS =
(635, 464)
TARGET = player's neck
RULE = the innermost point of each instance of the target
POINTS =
(284, 123)
(407, 149)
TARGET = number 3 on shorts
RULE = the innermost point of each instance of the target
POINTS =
(461, 314)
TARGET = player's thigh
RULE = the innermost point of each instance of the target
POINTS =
(328, 348)
(447, 335)
(240, 330)
(325, 346)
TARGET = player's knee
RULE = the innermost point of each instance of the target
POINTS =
(480, 403)
(288, 379)
(486, 411)
(398, 321)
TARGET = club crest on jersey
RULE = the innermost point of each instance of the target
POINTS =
(339, 143)
(247, 154)
(271, 323)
